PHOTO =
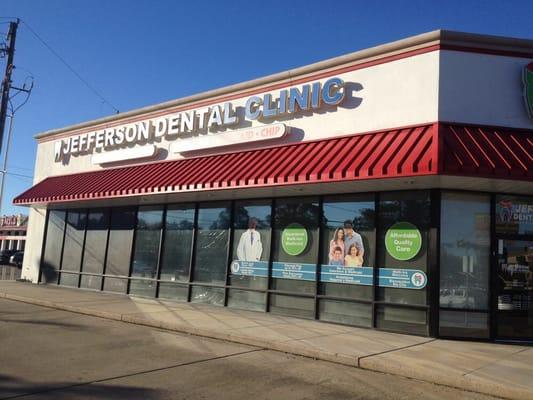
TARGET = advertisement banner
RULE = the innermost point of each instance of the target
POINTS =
(403, 241)
(250, 268)
(284, 270)
(348, 275)
(402, 278)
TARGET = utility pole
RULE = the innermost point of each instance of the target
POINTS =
(6, 83)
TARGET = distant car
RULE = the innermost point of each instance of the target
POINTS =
(5, 255)
(16, 259)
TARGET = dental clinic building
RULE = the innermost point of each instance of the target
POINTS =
(390, 188)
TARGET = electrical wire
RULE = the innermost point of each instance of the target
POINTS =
(66, 64)
(21, 168)
(19, 175)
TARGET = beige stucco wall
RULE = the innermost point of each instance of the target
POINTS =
(398, 93)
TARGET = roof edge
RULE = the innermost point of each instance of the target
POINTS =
(441, 37)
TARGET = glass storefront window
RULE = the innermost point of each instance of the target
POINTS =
(177, 248)
(119, 248)
(295, 252)
(464, 264)
(348, 247)
(403, 224)
(73, 246)
(465, 251)
(251, 244)
(212, 243)
(53, 245)
(146, 252)
(345, 312)
(94, 251)
(206, 294)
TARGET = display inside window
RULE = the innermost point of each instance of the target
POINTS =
(251, 244)
(404, 220)
(348, 247)
(296, 245)
(514, 215)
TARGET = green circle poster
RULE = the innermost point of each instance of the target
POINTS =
(294, 239)
(403, 241)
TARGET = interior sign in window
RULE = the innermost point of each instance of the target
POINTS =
(403, 241)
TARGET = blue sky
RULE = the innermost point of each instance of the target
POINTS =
(143, 52)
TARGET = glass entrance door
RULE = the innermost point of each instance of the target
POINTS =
(514, 290)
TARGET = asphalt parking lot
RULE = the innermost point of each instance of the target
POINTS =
(52, 354)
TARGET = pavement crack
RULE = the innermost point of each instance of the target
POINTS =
(392, 350)
(495, 361)
(148, 371)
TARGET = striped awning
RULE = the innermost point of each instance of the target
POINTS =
(432, 149)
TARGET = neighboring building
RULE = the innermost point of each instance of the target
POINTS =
(240, 196)
(13, 232)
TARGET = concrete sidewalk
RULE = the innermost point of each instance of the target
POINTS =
(495, 369)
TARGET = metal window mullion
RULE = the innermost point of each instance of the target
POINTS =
(229, 252)
(132, 252)
(318, 267)
(83, 246)
(273, 227)
(62, 246)
(162, 233)
(45, 234)
(377, 231)
(493, 271)
(106, 250)
(192, 260)
(433, 287)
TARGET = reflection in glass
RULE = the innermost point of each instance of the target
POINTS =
(205, 294)
(53, 245)
(75, 230)
(514, 289)
(345, 312)
(119, 247)
(94, 251)
(465, 251)
(176, 258)
(212, 244)
(402, 320)
(246, 300)
(146, 253)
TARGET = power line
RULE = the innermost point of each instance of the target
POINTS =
(22, 168)
(66, 64)
(19, 175)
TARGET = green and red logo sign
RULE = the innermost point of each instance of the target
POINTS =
(527, 79)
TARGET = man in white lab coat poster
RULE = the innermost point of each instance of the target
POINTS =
(250, 247)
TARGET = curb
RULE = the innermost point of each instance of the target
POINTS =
(370, 363)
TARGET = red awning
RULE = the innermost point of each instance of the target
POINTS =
(423, 150)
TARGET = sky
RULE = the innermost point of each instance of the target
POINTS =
(143, 52)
